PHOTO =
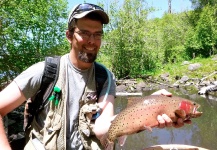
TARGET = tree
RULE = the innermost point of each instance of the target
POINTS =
(126, 38)
(202, 41)
(169, 6)
(137, 46)
(199, 4)
(29, 30)
(174, 30)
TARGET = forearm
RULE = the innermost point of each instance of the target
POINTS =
(102, 126)
(103, 122)
(4, 144)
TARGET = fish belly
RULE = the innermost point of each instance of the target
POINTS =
(135, 119)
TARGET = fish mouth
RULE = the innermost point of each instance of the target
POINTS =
(195, 112)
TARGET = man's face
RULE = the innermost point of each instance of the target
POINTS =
(87, 39)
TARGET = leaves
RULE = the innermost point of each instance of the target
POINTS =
(138, 46)
(133, 46)
(29, 30)
(125, 38)
(202, 38)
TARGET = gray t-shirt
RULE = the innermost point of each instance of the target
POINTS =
(29, 83)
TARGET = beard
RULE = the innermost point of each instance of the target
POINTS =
(87, 57)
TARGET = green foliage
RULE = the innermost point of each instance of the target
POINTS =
(202, 38)
(137, 46)
(175, 70)
(29, 30)
(175, 54)
(126, 38)
(174, 31)
(133, 46)
(199, 4)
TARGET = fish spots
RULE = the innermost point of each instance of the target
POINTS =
(144, 113)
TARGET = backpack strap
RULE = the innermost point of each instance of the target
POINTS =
(49, 79)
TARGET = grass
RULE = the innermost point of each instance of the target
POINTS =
(178, 70)
(208, 66)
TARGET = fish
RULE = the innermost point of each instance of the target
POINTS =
(141, 114)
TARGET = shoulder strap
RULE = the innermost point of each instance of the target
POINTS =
(100, 77)
(49, 79)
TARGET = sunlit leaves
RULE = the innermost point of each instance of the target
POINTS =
(126, 37)
(202, 39)
(29, 30)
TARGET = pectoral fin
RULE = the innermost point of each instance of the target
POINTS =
(110, 146)
(180, 113)
(148, 128)
(121, 140)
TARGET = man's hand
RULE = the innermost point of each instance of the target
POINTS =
(165, 121)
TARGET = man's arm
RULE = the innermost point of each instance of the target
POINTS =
(10, 98)
(4, 144)
(103, 122)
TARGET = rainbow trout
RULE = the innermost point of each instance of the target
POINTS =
(142, 113)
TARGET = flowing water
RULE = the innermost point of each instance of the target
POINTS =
(202, 132)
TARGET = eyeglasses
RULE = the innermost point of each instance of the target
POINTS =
(84, 7)
(86, 35)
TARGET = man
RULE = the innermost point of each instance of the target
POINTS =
(52, 130)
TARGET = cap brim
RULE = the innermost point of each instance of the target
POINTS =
(100, 12)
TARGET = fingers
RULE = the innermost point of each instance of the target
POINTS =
(187, 121)
(180, 123)
(164, 121)
(160, 121)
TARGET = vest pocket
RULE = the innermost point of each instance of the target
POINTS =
(51, 130)
(49, 133)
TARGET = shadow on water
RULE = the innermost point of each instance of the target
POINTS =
(202, 132)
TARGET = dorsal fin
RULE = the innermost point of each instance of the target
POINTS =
(132, 100)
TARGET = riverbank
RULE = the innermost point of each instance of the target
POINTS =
(195, 74)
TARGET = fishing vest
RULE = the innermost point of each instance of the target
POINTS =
(53, 134)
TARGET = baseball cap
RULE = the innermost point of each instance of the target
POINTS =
(81, 10)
